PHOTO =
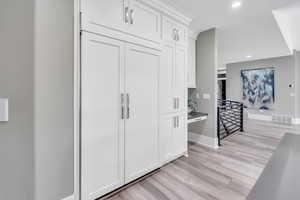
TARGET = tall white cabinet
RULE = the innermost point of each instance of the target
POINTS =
(133, 91)
(102, 127)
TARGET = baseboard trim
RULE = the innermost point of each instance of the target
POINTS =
(69, 198)
(203, 140)
(295, 121)
(260, 117)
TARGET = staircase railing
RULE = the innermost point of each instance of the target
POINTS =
(230, 118)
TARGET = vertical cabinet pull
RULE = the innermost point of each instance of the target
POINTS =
(122, 107)
(174, 121)
(128, 109)
(175, 103)
(126, 15)
(174, 34)
(131, 16)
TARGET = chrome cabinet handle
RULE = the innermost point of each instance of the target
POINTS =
(122, 107)
(177, 122)
(131, 16)
(174, 34)
(174, 121)
(126, 15)
(175, 103)
(177, 31)
(127, 106)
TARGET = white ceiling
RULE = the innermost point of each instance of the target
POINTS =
(248, 30)
(288, 19)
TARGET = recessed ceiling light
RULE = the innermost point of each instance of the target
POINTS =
(236, 4)
(249, 56)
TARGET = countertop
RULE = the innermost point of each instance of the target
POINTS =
(196, 116)
(280, 179)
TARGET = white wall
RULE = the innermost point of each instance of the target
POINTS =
(53, 99)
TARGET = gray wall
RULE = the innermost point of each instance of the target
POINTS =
(16, 83)
(297, 79)
(284, 75)
(206, 70)
(53, 99)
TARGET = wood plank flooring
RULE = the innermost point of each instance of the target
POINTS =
(228, 173)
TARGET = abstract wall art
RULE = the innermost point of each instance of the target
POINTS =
(258, 88)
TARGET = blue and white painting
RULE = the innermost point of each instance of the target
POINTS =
(258, 88)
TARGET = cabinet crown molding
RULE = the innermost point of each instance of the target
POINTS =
(168, 10)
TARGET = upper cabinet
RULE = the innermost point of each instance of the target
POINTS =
(109, 14)
(130, 16)
(191, 63)
(144, 21)
(174, 32)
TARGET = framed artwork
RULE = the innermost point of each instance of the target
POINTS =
(258, 88)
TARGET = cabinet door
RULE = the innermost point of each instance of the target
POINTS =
(180, 139)
(192, 63)
(141, 130)
(182, 34)
(144, 21)
(166, 126)
(168, 30)
(96, 13)
(180, 85)
(166, 84)
(102, 129)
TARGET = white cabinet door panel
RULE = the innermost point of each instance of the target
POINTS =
(141, 129)
(166, 74)
(182, 34)
(166, 138)
(180, 139)
(104, 13)
(168, 30)
(180, 77)
(102, 131)
(144, 21)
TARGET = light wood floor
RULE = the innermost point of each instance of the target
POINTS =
(228, 173)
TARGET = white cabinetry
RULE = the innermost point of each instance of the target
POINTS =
(133, 91)
(174, 31)
(111, 14)
(119, 124)
(134, 17)
(144, 21)
(173, 137)
(141, 130)
(173, 91)
(191, 63)
(180, 86)
(102, 138)
(173, 88)
(180, 134)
